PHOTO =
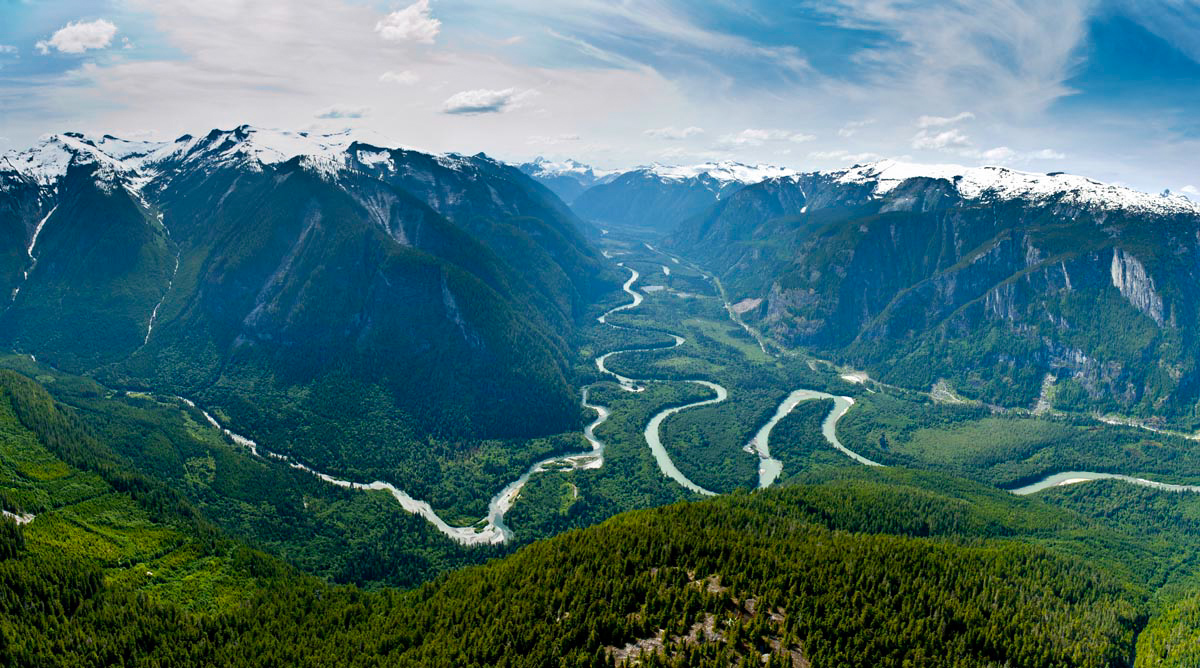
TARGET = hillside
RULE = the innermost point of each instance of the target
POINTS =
(992, 279)
(851, 567)
(274, 276)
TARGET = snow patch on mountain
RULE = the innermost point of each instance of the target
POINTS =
(47, 162)
(543, 168)
(985, 183)
(725, 171)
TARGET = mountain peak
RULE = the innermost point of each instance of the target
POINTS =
(48, 161)
(725, 171)
(994, 182)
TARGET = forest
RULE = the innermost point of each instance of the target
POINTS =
(158, 542)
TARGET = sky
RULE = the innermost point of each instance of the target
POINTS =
(1105, 88)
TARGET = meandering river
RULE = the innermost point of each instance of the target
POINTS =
(492, 529)
(1075, 477)
(769, 468)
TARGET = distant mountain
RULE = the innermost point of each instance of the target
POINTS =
(658, 197)
(339, 299)
(989, 277)
(567, 179)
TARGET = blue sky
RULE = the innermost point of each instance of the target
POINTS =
(1106, 88)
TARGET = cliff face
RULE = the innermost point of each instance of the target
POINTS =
(990, 284)
(1130, 277)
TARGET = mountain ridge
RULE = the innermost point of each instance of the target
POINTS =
(273, 274)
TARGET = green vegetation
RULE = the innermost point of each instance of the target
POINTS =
(1008, 450)
(1172, 638)
(797, 441)
(707, 443)
(791, 573)
(143, 551)
(990, 294)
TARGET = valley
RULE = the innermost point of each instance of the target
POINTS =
(683, 398)
(637, 334)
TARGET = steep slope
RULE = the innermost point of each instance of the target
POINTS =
(658, 198)
(97, 262)
(320, 298)
(988, 277)
(519, 219)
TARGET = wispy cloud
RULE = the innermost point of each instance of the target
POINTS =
(404, 78)
(554, 140)
(660, 35)
(942, 121)
(850, 129)
(343, 111)
(758, 137)
(952, 138)
(673, 133)
(1176, 21)
(1021, 51)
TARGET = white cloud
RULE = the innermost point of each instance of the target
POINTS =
(7, 49)
(758, 137)
(414, 23)
(77, 37)
(942, 121)
(852, 128)
(1047, 154)
(845, 157)
(485, 101)
(1003, 155)
(343, 111)
(1000, 154)
(1191, 191)
(674, 133)
(539, 140)
(404, 78)
(940, 141)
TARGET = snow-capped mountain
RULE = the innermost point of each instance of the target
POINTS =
(724, 172)
(1001, 183)
(566, 178)
(991, 278)
(658, 197)
(245, 146)
(268, 266)
(47, 162)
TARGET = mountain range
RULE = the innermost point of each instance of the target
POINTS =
(656, 197)
(1012, 285)
(568, 178)
(343, 300)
